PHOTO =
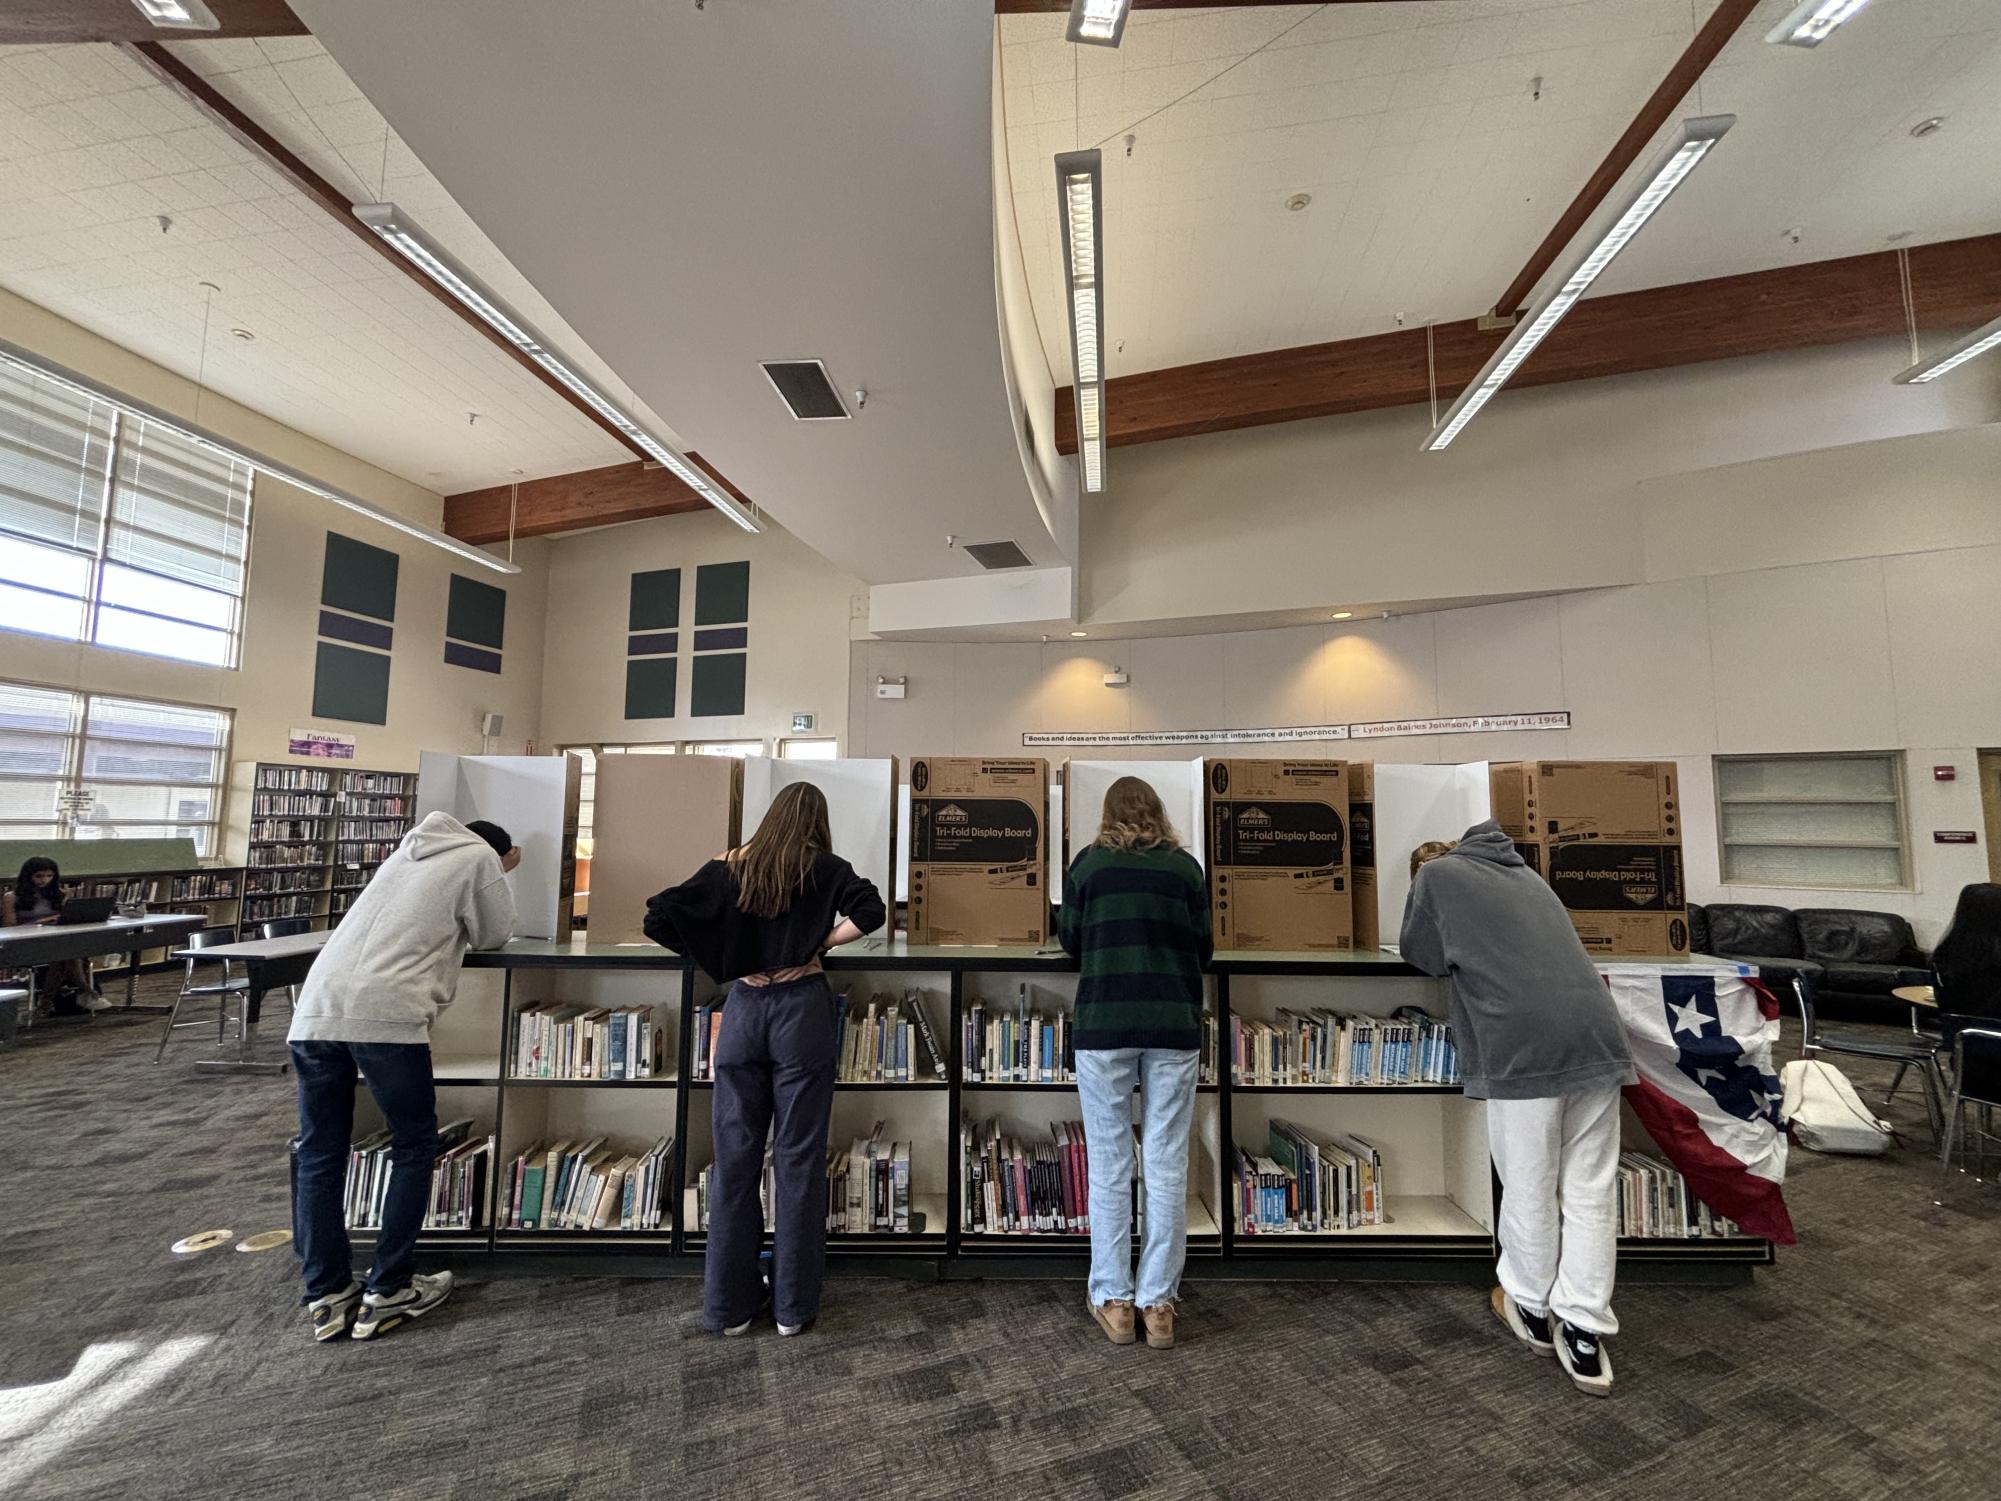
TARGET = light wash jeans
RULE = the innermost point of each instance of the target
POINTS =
(1105, 1079)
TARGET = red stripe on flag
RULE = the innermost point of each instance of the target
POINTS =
(1768, 1004)
(1720, 1180)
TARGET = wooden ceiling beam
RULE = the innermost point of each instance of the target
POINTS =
(1955, 284)
(571, 502)
(49, 23)
(1656, 112)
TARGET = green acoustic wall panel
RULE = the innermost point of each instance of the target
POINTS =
(717, 686)
(649, 687)
(656, 600)
(350, 684)
(722, 593)
(358, 578)
(476, 612)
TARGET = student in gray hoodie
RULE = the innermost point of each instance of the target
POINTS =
(366, 1008)
(1540, 1041)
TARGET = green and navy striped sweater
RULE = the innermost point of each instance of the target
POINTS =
(1138, 920)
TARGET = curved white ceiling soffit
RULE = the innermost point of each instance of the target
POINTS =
(698, 190)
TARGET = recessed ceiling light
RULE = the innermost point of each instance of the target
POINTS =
(1929, 127)
(1298, 201)
(1813, 21)
(244, 334)
(182, 15)
(1080, 633)
(1342, 615)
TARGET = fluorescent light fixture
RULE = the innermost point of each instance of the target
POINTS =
(26, 360)
(1080, 205)
(402, 235)
(1813, 22)
(1972, 347)
(1098, 23)
(1586, 260)
(181, 15)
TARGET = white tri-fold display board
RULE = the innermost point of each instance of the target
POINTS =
(1416, 804)
(861, 809)
(1178, 783)
(534, 798)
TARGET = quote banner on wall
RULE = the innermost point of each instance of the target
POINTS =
(1381, 729)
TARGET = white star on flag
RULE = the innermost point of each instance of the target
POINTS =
(1688, 1017)
(1704, 1076)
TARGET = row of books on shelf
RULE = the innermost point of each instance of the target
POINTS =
(370, 828)
(458, 1193)
(1655, 1202)
(293, 779)
(381, 781)
(612, 1043)
(264, 856)
(1015, 1183)
(1023, 1044)
(1307, 1183)
(1410, 1046)
(278, 882)
(273, 830)
(298, 804)
(886, 1040)
(363, 852)
(257, 908)
(868, 1189)
(588, 1185)
(154, 891)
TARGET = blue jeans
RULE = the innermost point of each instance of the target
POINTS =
(399, 1077)
(774, 1066)
(1105, 1079)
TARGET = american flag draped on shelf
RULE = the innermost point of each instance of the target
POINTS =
(1702, 1045)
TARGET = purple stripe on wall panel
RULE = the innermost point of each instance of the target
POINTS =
(361, 632)
(653, 644)
(728, 638)
(459, 655)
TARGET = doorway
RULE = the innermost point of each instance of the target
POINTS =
(1990, 808)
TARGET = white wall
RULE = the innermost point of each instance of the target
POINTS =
(1881, 653)
(800, 612)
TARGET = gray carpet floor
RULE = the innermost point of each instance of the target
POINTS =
(1866, 1364)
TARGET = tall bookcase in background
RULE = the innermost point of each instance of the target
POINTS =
(312, 836)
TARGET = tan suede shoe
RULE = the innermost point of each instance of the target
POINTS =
(1115, 1318)
(1159, 1326)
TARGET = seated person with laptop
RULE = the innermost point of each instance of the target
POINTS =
(36, 899)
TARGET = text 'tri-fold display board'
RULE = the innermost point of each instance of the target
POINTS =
(534, 798)
(979, 862)
(861, 810)
(1278, 855)
(656, 821)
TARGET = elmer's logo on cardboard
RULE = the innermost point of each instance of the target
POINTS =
(951, 813)
(1253, 818)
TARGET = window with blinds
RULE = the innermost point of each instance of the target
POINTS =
(90, 766)
(116, 530)
(1833, 821)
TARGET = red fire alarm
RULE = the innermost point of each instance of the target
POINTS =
(1945, 773)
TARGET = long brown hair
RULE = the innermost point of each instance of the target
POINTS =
(1134, 819)
(779, 856)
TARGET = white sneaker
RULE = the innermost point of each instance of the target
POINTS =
(738, 1329)
(93, 1000)
(333, 1315)
(1584, 1359)
(381, 1312)
(788, 1330)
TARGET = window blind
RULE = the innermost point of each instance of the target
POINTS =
(54, 445)
(179, 509)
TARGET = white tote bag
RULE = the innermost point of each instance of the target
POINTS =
(1826, 1114)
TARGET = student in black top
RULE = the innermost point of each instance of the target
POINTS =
(36, 897)
(1968, 960)
(759, 918)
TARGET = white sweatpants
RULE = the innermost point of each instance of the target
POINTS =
(1558, 1161)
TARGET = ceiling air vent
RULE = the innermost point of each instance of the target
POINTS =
(804, 387)
(997, 555)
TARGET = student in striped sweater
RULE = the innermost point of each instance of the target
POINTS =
(1136, 913)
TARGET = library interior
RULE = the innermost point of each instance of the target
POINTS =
(1452, 876)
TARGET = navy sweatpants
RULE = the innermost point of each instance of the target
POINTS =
(774, 1068)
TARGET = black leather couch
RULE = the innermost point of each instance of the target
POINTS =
(1852, 959)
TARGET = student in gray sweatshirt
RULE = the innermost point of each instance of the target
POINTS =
(366, 1011)
(1540, 1041)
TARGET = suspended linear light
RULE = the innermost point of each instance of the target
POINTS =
(1972, 347)
(1813, 22)
(402, 235)
(1586, 261)
(181, 15)
(1079, 204)
(1098, 23)
(25, 360)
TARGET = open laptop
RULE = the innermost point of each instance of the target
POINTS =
(83, 909)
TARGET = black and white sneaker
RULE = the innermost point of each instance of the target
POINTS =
(333, 1315)
(1532, 1329)
(381, 1312)
(1584, 1359)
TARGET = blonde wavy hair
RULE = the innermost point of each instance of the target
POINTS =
(1427, 852)
(1134, 818)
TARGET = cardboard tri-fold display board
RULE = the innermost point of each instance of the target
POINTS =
(861, 810)
(979, 860)
(534, 798)
(1278, 855)
(1606, 835)
(656, 821)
